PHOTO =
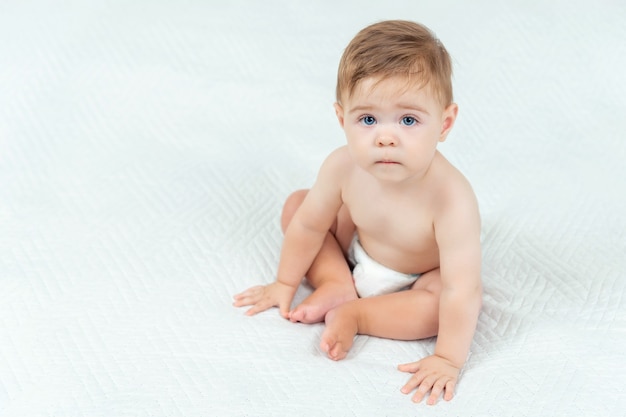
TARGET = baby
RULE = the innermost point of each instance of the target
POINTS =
(389, 234)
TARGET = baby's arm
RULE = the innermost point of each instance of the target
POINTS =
(457, 230)
(303, 239)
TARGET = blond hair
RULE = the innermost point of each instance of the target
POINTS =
(396, 48)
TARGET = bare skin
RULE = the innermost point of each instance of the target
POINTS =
(329, 274)
(413, 212)
(377, 316)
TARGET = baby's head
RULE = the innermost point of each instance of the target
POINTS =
(396, 48)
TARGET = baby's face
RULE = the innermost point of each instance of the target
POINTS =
(393, 128)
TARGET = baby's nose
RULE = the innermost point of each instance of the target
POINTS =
(386, 140)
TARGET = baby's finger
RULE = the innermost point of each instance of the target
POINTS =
(409, 367)
(245, 301)
(259, 307)
(449, 390)
(423, 389)
(436, 391)
(254, 310)
(249, 292)
(412, 383)
(248, 297)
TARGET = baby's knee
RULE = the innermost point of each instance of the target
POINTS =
(292, 203)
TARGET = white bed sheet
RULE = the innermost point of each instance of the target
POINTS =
(145, 151)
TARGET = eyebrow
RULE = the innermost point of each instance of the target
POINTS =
(368, 107)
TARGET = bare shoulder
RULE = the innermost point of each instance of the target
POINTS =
(324, 199)
(328, 187)
(335, 168)
(455, 197)
(452, 186)
(338, 161)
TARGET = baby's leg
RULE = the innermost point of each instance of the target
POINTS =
(404, 315)
(329, 274)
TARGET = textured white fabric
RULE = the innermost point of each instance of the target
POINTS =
(146, 148)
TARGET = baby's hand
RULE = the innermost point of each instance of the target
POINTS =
(434, 374)
(263, 297)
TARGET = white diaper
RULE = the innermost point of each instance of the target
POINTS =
(372, 278)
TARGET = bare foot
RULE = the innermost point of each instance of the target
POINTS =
(326, 297)
(341, 326)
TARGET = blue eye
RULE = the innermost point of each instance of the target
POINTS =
(409, 120)
(368, 120)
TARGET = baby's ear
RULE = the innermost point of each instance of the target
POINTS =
(448, 119)
(339, 113)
